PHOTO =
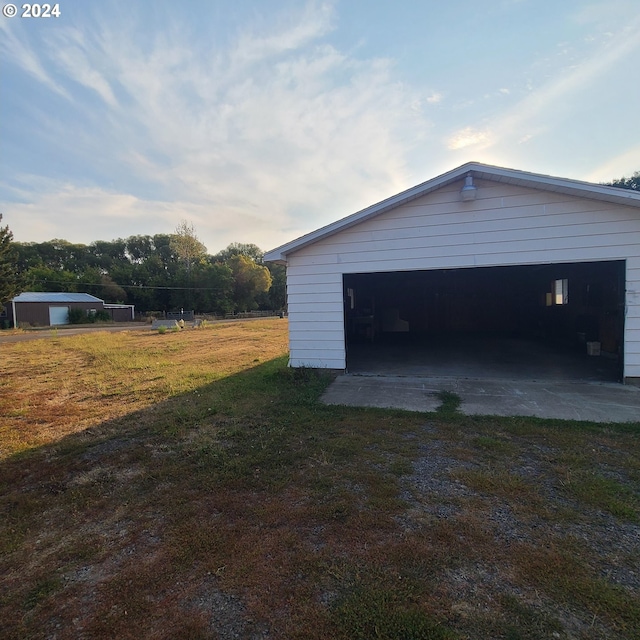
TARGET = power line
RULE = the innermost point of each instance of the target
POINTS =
(123, 286)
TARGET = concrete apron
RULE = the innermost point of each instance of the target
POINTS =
(567, 400)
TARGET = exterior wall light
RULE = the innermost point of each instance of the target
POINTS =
(469, 191)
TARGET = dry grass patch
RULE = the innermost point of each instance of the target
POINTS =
(53, 387)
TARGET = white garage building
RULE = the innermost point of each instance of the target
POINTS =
(480, 251)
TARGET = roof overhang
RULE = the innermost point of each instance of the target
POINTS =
(55, 297)
(477, 170)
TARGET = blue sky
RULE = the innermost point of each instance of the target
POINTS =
(258, 121)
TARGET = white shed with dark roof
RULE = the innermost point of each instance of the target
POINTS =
(478, 251)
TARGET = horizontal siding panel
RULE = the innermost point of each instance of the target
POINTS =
(315, 297)
(561, 225)
(508, 258)
(311, 307)
(478, 244)
(294, 289)
(316, 354)
(311, 325)
(548, 255)
(632, 370)
(302, 258)
(303, 339)
(317, 348)
(337, 363)
(334, 328)
(632, 297)
(336, 350)
(632, 323)
(592, 207)
(468, 235)
(413, 216)
(497, 204)
(293, 278)
(317, 316)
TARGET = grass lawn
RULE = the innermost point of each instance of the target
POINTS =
(189, 485)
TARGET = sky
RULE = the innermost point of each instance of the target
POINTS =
(257, 121)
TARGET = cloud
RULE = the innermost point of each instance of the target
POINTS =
(253, 142)
(470, 137)
(72, 56)
(622, 165)
(13, 46)
(314, 22)
(527, 117)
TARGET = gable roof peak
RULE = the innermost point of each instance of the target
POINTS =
(576, 188)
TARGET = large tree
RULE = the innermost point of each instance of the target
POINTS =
(249, 281)
(191, 254)
(186, 245)
(240, 249)
(9, 278)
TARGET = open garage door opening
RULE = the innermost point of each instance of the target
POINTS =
(558, 321)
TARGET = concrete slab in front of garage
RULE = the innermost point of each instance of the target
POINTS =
(567, 400)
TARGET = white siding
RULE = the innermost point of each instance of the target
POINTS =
(632, 318)
(506, 225)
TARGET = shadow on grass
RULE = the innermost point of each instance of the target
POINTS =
(247, 509)
(214, 513)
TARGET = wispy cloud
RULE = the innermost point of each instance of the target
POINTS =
(470, 137)
(618, 166)
(524, 120)
(72, 56)
(314, 22)
(14, 48)
(256, 140)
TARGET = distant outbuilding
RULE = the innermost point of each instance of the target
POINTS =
(51, 308)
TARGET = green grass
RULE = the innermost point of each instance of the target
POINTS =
(372, 612)
(605, 493)
(450, 403)
(193, 486)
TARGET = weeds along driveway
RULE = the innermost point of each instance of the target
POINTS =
(162, 494)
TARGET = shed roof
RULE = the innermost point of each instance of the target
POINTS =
(55, 296)
(575, 188)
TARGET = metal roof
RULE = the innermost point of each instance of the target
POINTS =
(477, 170)
(55, 296)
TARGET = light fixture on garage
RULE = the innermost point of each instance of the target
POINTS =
(469, 190)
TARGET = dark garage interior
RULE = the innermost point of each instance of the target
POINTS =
(553, 321)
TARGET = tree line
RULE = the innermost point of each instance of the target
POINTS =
(162, 272)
